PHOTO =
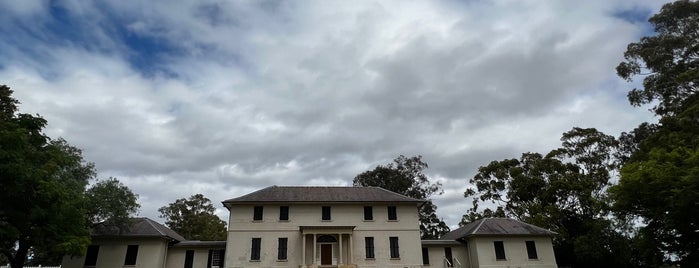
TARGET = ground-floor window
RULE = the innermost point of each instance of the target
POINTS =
(189, 259)
(281, 249)
(393, 241)
(91, 256)
(425, 256)
(131, 254)
(369, 246)
(255, 252)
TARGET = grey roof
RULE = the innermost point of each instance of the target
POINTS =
(496, 227)
(442, 242)
(139, 227)
(321, 194)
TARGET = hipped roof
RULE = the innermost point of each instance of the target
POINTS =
(321, 194)
(139, 227)
(497, 227)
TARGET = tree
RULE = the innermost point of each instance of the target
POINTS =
(564, 191)
(669, 60)
(112, 202)
(42, 183)
(194, 218)
(404, 176)
(659, 180)
(660, 184)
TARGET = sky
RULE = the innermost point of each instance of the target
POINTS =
(223, 98)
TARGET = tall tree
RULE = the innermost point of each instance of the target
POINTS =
(405, 176)
(194, 218)
(659, 180)
(42, 183)
(111, 201)
(669, 60)
(564, 191)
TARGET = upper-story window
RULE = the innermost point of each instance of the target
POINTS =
(499, 250)
(326, 213)
(531, 250)
(368, 213)
(392, 214)
(284, 213)
(257, 213)
(131, 254)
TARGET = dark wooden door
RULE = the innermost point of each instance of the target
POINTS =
(326, 254)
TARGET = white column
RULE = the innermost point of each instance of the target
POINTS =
(351, 251)
(340, 249)
(303, 250)
(313, 260)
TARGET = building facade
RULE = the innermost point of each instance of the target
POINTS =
(323, 226)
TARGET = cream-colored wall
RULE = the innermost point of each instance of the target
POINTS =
(176, 255)
(151, 253)
(458, 252)
(515, 252)
(242, 229)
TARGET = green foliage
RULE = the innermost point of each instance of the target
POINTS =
(111, 201)
(660, 183)
(43, 183)
(404, 176)
(669, 60)
(194, 219)
(564, 191)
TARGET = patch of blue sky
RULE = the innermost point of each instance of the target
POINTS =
(636, 15)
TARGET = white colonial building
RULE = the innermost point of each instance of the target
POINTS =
(308, 227)
(323, 226)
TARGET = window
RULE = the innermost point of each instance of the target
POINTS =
(499, 250)
(284, 213)
(425, 256)
(281, 250)
(91, 256)
(368, 213)
(326, 213)
(257, 215)
(216, 257)
(255, 253)
(369, 245)
(392, 215)
(189, 259)
(395, 254)
(447, 254)
(531, 250)
(131, 254)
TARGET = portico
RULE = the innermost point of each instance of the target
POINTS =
(327, 246)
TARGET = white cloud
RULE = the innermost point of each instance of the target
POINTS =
(245, 95)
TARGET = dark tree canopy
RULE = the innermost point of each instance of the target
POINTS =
(564, 191)
(660, 183)
(669, 60)
(111, 201)
(405, 176)
(194, 218)
(43, 183)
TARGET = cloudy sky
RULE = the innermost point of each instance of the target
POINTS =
(223, 98)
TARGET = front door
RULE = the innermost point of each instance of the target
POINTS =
(326, 254)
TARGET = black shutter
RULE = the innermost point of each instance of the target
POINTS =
(284, 213)
(395, 252)
(425, 256)
(447, 254)
(531, 250)
(257, 213)
(222, 255)
(91, 256)
(499, 250)
(392, 215)
(208, 259)
(131, 255)
(369, 247)
(368, 213)
(189, 259)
